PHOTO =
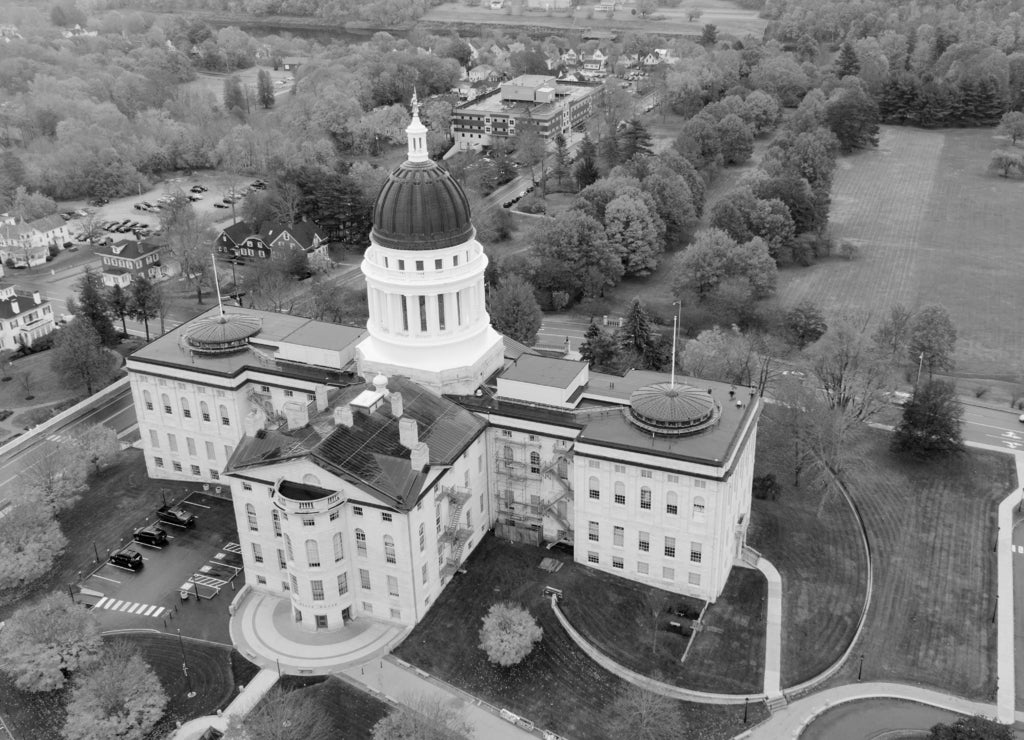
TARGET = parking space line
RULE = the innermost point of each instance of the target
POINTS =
(105, 578)
(193, 503)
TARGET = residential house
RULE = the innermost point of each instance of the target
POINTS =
(28, 244)
(595, 63)
(126, 259)
(292, 64)
(242, 241)
(24, 318)
(482, 73)
(78, 33)
(570, 58)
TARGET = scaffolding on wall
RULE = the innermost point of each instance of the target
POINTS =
(524, 501)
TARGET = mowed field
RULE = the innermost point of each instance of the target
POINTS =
(933, 227)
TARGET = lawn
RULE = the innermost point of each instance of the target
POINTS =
(557, 686)
(215, 672)
(934, 227)
(815, 547)
(931, 526)
(352, 711)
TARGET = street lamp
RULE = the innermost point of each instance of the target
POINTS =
(184, 666)
(860, 670)
(745, 700)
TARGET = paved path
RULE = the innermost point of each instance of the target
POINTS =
(248, 698)
(773, 630)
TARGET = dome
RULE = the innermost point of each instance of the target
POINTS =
(222, 334)
(673, 410)
(421, 207)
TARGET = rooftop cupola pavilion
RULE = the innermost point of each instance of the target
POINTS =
(424, 273)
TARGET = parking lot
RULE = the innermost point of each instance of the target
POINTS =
(203, 561)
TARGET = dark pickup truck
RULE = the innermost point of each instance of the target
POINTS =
(176, 516)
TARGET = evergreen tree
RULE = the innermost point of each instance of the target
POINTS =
(608, 148)
(561, 164)
(709, 34)
(79, 358)
(264, 89)
(145, 301)
(514, 310)
(635, 139)
(931, 421)
(635, 333)
(93, 308)
(598, 348)
(119, 301)
(847, 63)
(586, 171)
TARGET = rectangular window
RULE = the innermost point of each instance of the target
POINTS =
(645, 498)
(620, 499)
(594, 463)
(225, 421)
(257, 553)
(405, 310)
(214, 474)
(149, 404)
(645, 474)
(438, 264)
(167, 408)
(695, 552)
(206, 415)
(364, 579)
(670, 547)
(318, 590)
(265, 388)
(343, 584)
(592, 557)
(592, 533)
(618, 536)
(308, 521)
(176, 466)
(455, 261)
(334, 515)
(284, 586)
(671, 507)
(385, 516)
(191, 443)
(423, 313)
(172, 442)
(187, 413)
(295, 583)
(281, 562)
(419, 265)
(289, 394)
(392, 586)
(644, 542)
(158, 461)
(506, 433)
(669, 574)
(401, 264)
(262, 580)
(700, 484)
(424, 572)
(620, 468)
(673, 478)
(357, 510)
(368, 607)
(595, 493)
(396, 613)
(440, 312)
(617, 563)
(246, 486)
(210, 454)
(694, 579)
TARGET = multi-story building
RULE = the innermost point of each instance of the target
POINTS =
(365, 467)
(126, 259)
(538, 101)
(25, 318)
(28, 244)
(242, 241)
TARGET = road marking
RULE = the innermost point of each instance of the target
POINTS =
(193, 503)
(100, 603)
(1011, 435)
(105, 578)
(135, 608)
(150, 610)
(126, 605)
(115, 605)
(233, 547)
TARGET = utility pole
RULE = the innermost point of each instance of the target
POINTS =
(184, 666)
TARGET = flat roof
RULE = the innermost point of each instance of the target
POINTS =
(171, 349)
(492, 102)
(538, 370)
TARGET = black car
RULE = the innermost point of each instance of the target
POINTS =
(98, 202)
(139, 207)
(151, 535)
(128, 559)
(219, 205)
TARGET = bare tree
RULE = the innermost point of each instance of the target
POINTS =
(191, 239)
(644, 715)
(851, 370)
(25, 381)
(654, 603)
(56, 477)
(425, 718)
(287, 198)
(284, 715)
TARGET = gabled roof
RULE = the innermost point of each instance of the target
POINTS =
(15, 231)
(303, 233)
(47, 223)
(129, 249)
(25, 304)
(237, 233)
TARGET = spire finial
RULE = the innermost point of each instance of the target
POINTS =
(417, 133)
(415, 104)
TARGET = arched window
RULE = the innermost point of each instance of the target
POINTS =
(671, 503)
(339, 551)
(698, 508)
(423, 537)
(312, 554)
(165, 402)
(619, 495)
(185, 410)
(535, 463)
(389, 549)
(204, 409)
(250, 513)
(645, 498)
(310, 480)
(595, 487)
(277, 522)
(288, 548)
(224, 418)
(510, 456)
(361, 543)
(148, 400)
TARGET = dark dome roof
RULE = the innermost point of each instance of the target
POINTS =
(420, 206)
(673, 410)
(215, 335)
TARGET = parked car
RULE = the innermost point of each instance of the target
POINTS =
(151, 535)
(139, 207)
(98, 202)
(219, 205)
(127, 558)
(176, 516)
(195, 197)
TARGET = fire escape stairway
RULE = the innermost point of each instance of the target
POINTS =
(454, 534)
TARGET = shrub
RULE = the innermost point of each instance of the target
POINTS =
(509, 634)
(848, 250)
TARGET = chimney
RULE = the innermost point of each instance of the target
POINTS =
(408, 432)
(36, 297)
(320, 393)
(343, 416)
(397, 409)
(14, 305)
(420, 456)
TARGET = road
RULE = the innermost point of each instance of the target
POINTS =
(993, 427)
(116, 412)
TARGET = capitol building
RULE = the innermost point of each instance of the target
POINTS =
(366, 464)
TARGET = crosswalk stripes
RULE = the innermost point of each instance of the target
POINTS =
(1019, 549)
(129, 607)
(233, 547)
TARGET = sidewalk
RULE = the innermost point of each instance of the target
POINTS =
(387, 677)
(248, 698)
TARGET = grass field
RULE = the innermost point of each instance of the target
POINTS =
(931, 527)
(934, 227)
(821, 559)
(557, 686)
(352, 712)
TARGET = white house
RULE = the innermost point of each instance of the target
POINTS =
(25, 318)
